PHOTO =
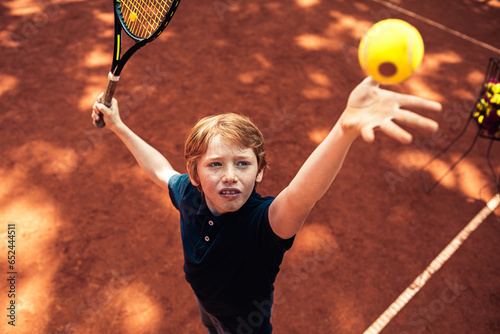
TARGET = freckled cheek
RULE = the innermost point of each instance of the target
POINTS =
(209, 181)
(248, 181)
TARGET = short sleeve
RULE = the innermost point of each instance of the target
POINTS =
(284, 243)
(177, 186)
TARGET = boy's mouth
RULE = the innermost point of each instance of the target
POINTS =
(230, 193)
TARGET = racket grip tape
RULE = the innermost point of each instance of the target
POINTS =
(107, 97)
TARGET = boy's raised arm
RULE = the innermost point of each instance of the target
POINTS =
(154, 164)
(368, 108)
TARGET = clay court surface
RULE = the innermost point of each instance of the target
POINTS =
(98, 246)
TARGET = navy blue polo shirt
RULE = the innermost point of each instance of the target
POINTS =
(231, 261)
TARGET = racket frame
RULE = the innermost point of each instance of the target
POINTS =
(119, 61)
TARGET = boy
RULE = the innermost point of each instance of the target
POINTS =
(234, 240)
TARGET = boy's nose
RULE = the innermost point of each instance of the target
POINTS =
(229, 176)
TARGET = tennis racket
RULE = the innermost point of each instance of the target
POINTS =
(143, 21)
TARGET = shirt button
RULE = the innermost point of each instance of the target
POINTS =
(211, 223)
(207, 239)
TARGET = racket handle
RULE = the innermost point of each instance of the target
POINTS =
(107, 97)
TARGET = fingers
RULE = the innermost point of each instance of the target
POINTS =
(368, 134)
(396, 132)
(96, 113)
(374, 108)
(99, 109)
(95, 116)
(410, 102)
(390, 129)
(414, 120)
(369, 81)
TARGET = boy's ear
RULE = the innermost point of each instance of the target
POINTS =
(260, 175)
(194, 182)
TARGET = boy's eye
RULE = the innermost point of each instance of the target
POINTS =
(214, 164)
(243, 164)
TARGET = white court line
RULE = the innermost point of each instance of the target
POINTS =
(437, 25)
(435, 265)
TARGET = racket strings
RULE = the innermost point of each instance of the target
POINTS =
(144, 17)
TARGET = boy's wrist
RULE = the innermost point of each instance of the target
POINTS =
(117, 127)
(349, 130)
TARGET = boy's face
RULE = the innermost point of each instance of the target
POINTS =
(227, 175)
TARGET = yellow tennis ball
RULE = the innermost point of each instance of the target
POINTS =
(133, 16)
(390, 51)
(495, 99)
(495, 88)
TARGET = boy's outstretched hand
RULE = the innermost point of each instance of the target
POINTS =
(370, 107)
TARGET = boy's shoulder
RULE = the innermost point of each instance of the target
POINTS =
(178, 183)
(178, 180)
(180, 187)
(256, 200)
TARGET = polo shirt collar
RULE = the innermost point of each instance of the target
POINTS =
(203, 210)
